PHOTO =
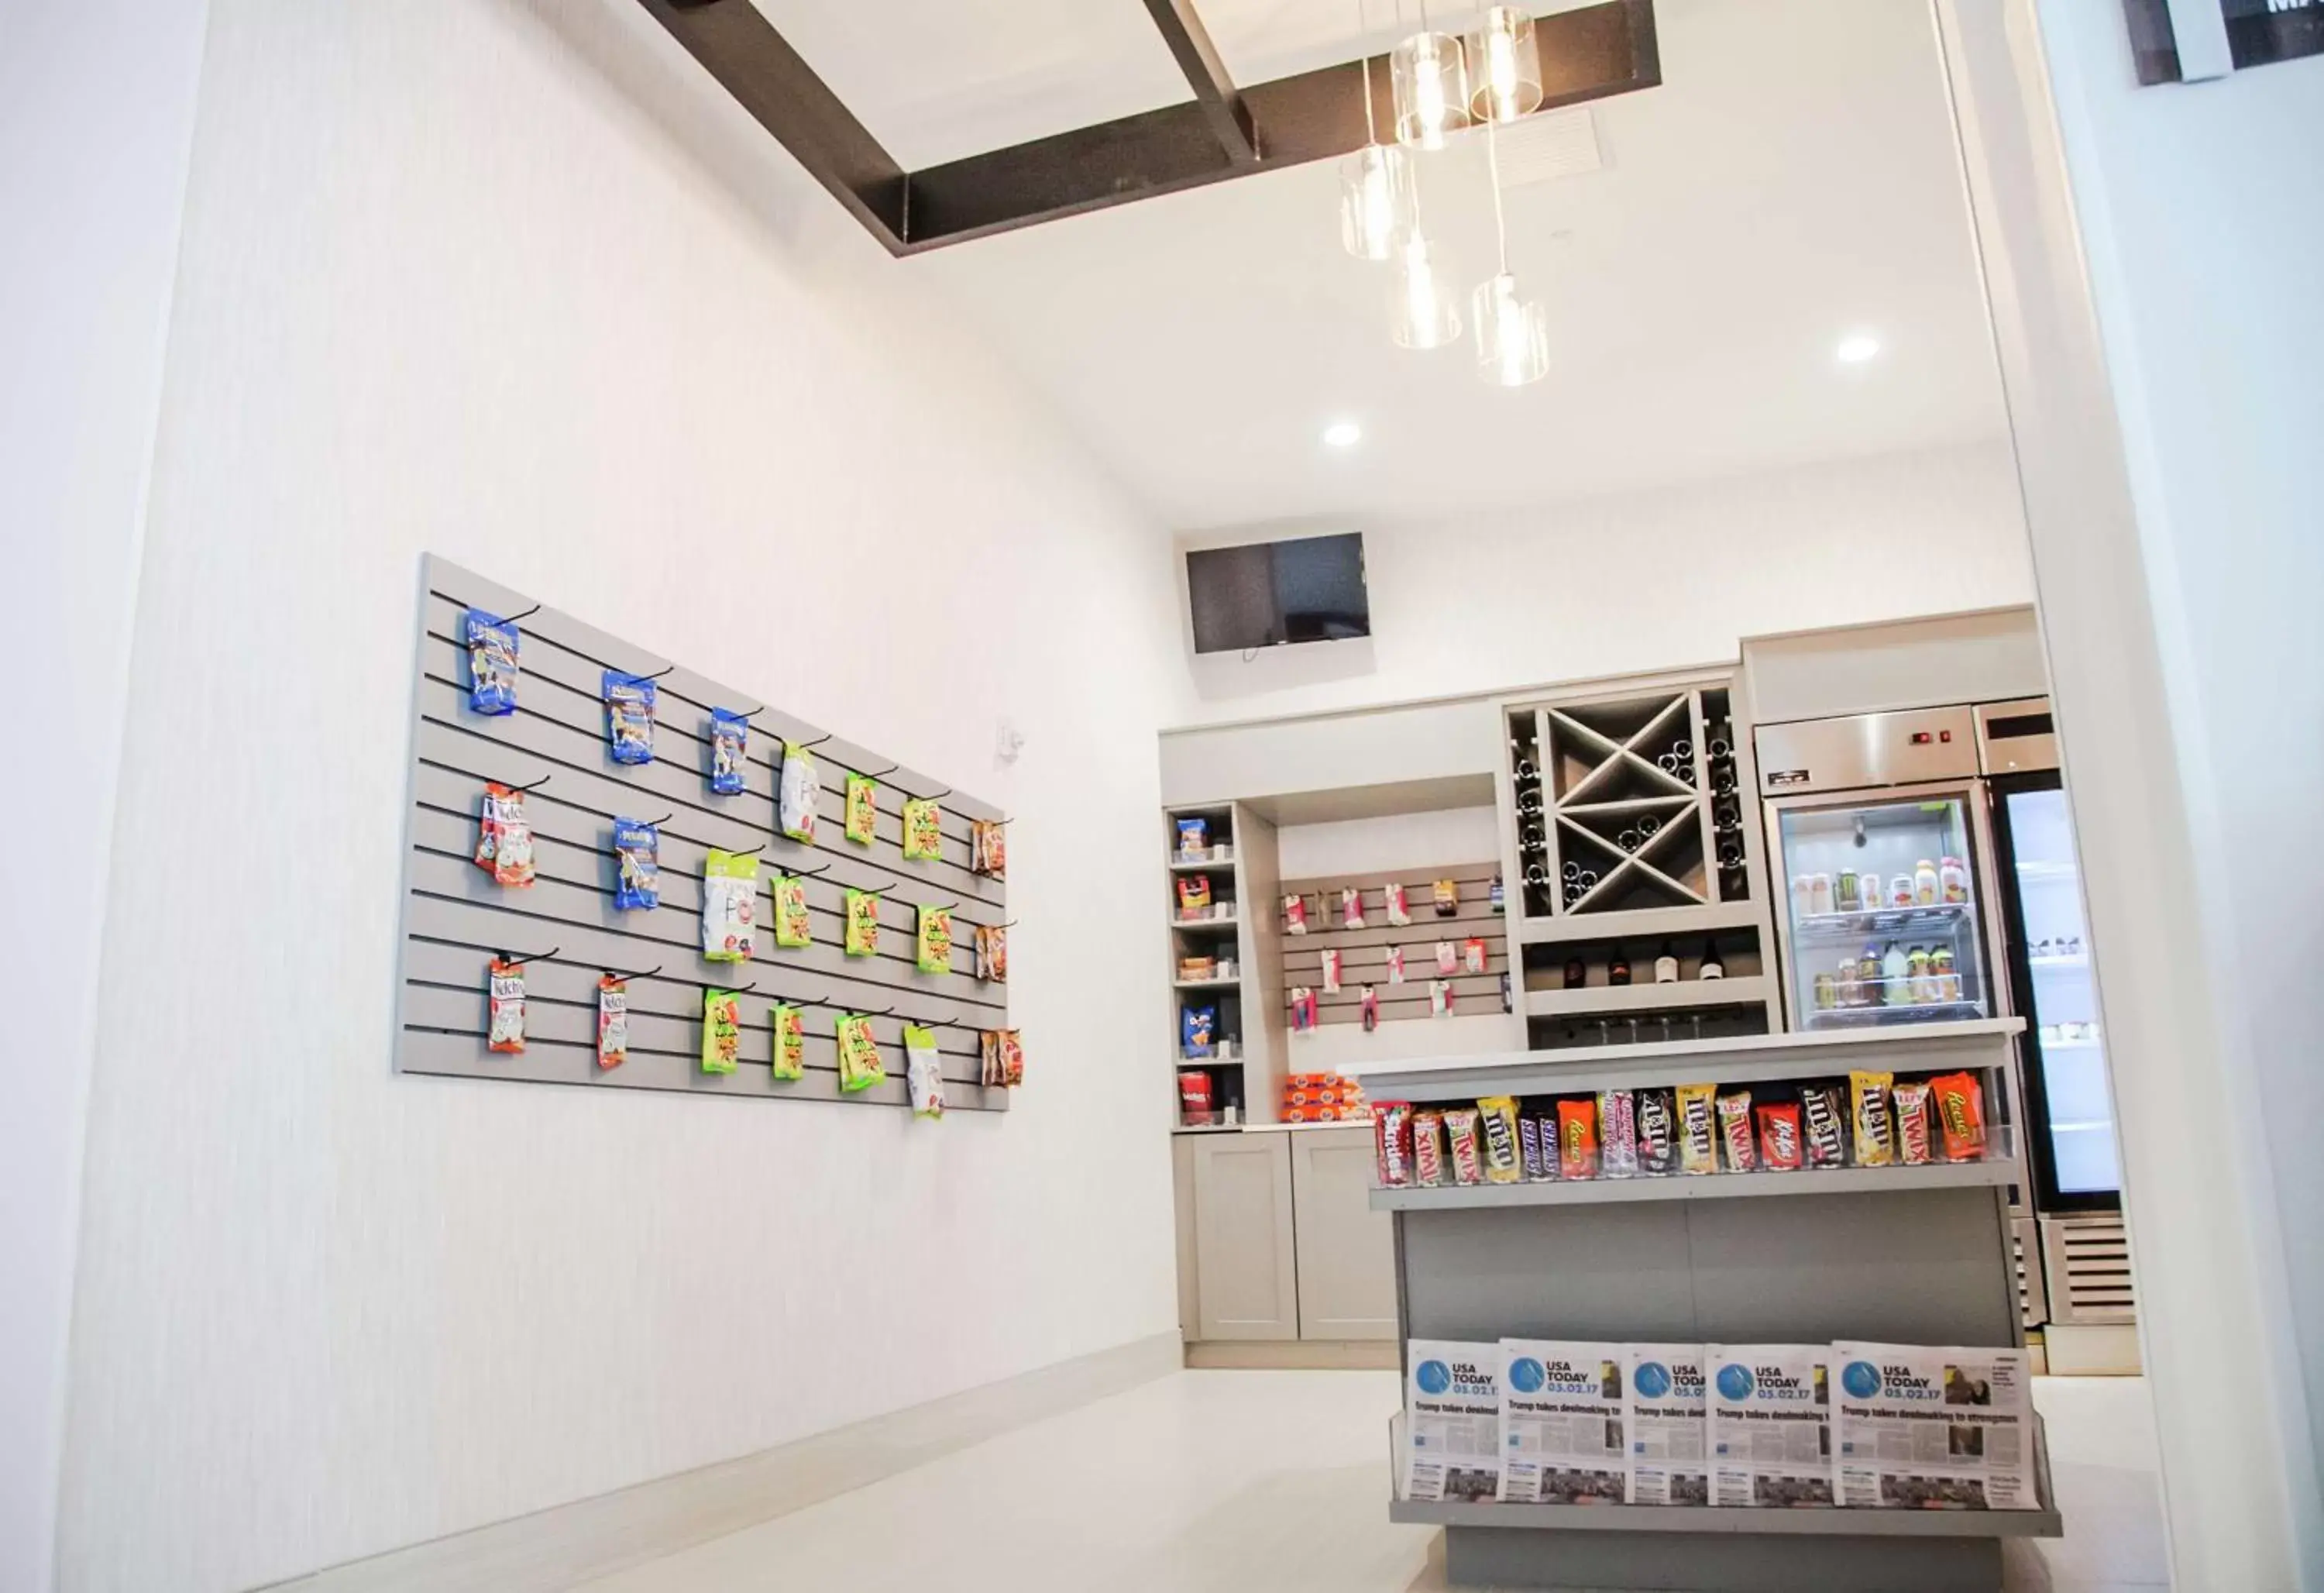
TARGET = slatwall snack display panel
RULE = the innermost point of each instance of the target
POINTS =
(457, 919)
(1363, 952)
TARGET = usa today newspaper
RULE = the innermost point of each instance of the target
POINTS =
(1923, 1428)
(1453, 1421)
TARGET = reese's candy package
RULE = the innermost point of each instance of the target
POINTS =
(1392, 1130)
(612, 1021)
(790, 1042)
(1960, 1110)
(1618, 1132)
(1824, 1125)
(628, 715)
(722, 1031)
(730, 741)
(791, 926)
(858, 1053)
(988, 847)
(923, 830)
(1577, 1139)
(492, 644)
(1503, 1162)
(1908, 1104)
(1735, 1132)
(1698, 1135)
(933, 952)
(860, 813)
(1461, 1127)
(1428, 1169)
(636, 866)
(1657, 1118)
(795, 793)
(1868, 1114)
(505, 1031)
(1779, 1137)
(1529, 1148)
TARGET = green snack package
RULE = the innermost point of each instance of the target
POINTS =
(722, 1031)
(791, 928)
(936, 940)
(923, 830)
(862, 811)
(923, 1071)
(862, 924)
(790, 1042)
(859, 1054)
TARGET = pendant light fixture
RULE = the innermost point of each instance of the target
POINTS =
(1425, 312)
(1507, 61)
(1375, 192)
(1512, 332)
(1430, 77)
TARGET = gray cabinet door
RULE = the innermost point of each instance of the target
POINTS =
(1347, 1251)
(1243, 1236)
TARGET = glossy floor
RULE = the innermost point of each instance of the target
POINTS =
(1279, 1481)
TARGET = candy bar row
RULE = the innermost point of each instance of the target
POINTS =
(1873, 1120)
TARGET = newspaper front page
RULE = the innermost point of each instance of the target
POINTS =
(1562, 1415)
(1770, 1424)
(1452, 1419)
(1670, 1441)
(1923, 1428)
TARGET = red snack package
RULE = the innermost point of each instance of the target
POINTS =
(1463, 1127)
(1960, 1112)
(1428, 1149)
(1392, 1141)
(1735, 1132)
(1577, 1139)
(1910, 1105)
(1194, 1096)
(1780, 1147)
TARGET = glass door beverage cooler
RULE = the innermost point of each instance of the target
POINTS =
(1876, 823)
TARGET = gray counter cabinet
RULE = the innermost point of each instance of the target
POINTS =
(1277, 1238)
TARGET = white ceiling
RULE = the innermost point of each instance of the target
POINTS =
(1793, 180)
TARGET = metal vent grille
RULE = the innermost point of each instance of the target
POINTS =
(2088, 1263)
(1549, 145)
(2025, 1260)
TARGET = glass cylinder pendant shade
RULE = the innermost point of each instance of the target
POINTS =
(1507, 64)
(1431, 80)
(1512, 333)
(1426, 314)
(1375, 200)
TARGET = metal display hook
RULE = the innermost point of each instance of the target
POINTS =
(548, 955)
(626, 978)
(537, 784)
(883, 773)
(528, 614)
(730, 989)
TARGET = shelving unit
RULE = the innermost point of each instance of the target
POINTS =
(1239, 864)
(1897, 1255)
(1639, 791)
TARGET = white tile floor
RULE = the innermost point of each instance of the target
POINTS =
(1212, 1482)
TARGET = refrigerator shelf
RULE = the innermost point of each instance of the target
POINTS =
(1944, 917)
(1919, 1012)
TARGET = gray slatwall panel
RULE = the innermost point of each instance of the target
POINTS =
(455, 917)
(1364, 952)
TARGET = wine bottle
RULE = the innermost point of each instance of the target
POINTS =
(1666, 964)
(1618, 971)
(1712, 968)
(1577, 973)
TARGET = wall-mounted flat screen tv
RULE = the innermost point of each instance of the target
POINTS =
(1271, 594)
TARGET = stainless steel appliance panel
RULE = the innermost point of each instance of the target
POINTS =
(2016, 738)
(1867, 750)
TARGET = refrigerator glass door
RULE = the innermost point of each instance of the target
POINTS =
(2075, 1161)
(1884, 921)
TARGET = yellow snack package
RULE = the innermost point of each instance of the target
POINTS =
(722, 1031)
(790, 1042)
(1698, 1128)
(1867, 1114)
(1502, 1163)
(858, 1053)
(862, 924)
(923, 830)
(863, 810)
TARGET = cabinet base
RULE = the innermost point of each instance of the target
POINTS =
(1718, 1562)
(1294, 1354)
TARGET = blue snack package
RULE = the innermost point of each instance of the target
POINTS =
(636, 861)
(730, 740)
(1194, 837)
(492, 644)
(1198, 1030)
(630, 717)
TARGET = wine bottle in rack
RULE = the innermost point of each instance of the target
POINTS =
(1712, 968)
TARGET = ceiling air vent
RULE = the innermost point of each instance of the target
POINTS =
(1548, 145)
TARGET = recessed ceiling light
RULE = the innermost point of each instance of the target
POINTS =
(1342, 434)
(1857, 348)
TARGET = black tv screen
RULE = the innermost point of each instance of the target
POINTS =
(1269, 594)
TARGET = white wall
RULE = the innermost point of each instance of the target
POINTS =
(2202, 216)
(1656, 580)
(512, 282)
(96, 114)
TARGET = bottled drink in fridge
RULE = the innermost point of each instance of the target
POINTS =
(1870, 991)
(1925, 884)
(1844, 891)
(1952, 881)
(1666, 964)
(1916, 975)
(1893, 966)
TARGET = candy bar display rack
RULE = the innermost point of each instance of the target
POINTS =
(568, 930)
(1625, 831)
(1235, 933)
(1901, 1254)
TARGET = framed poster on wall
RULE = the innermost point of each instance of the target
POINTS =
(2259, 33)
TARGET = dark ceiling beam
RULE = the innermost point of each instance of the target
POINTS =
(755, 63)
(1222, 105)
(1592, 53)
